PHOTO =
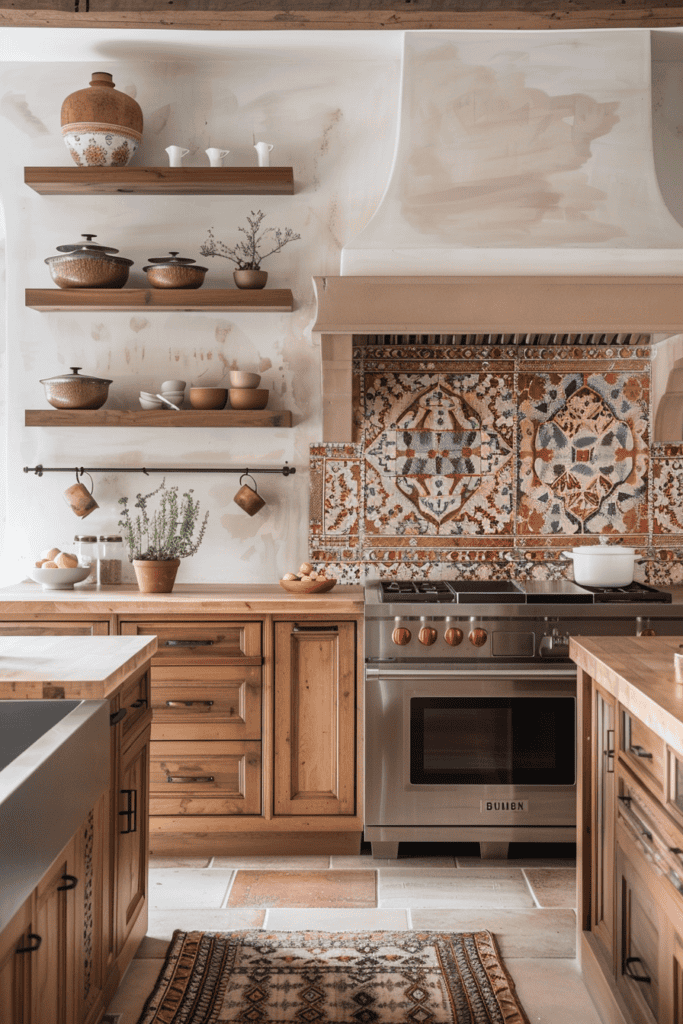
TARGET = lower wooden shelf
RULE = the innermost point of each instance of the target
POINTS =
(264, 300)
(157, 418)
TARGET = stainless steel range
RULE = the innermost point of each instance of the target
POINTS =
(470, 706)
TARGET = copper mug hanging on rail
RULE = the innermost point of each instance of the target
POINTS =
(248, 498)
(79, 498)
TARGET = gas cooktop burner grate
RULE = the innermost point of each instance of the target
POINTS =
(508, 591)
(632, 593)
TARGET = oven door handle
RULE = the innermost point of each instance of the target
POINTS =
(449, 672)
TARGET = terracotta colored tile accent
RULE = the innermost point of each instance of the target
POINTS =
(667, 497)
(304, 889)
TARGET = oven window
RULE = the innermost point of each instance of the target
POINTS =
(493, 740)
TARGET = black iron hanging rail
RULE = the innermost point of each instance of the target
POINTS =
(286, 470)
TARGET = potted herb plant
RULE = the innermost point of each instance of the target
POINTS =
(248, 254)
(157, 540)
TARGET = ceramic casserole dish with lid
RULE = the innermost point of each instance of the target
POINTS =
(174, 271)
(76, 391)
(87, 265)
(603, 564)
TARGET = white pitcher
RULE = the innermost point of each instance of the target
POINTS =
(175, 155)
(263, 149)
(216, 156)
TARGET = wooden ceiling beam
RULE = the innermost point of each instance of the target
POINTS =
(252, 15)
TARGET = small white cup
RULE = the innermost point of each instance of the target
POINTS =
(216, 156)
(175, 155)
(263, 149)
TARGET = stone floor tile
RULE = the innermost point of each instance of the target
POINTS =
(553, 887)
(552, 991)
(339, 919)
(162, 924)
(173, 889)
(519, 933)
(517, 862)
(457, 889)
(304, 889)
(302, 863)
(365, 862)
(136, 985)
(179, 862)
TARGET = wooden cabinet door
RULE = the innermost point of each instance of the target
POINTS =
(315, 712)
(37, 628)
(16, 968)
(603, 818)
(90, 896)
(641, 931)
(132, 835)
(53, 962)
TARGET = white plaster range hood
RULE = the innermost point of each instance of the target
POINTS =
(522, 153)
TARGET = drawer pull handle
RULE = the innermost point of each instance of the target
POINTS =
(71, 881)
(34, 940)
(190, 778)
(645, 978)
(131, 811)
(140, 703)
(188, 703)
(634, 819)
(640, 751)
(118, 716)
(189, 643)
(609, 753)
(314, 629)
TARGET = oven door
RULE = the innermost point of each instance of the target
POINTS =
(467, 747)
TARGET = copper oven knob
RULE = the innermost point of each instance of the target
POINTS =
(427, 636)
(453, 636)
(648, 632)
(478, 637)
(401, 636)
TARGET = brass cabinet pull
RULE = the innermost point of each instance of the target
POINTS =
(34, 940)
(71, 883)
(188, 703)
(639, 751)
(629, 973)
(190, 778)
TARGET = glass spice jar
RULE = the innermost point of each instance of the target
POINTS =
(86, 549)
(110, 561)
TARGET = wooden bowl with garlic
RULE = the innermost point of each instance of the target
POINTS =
(306, 581)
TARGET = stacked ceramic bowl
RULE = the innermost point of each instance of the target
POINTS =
(171, 396)
(244, 391)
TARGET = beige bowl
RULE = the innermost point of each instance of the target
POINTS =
(208, 398)
(243, 379)
(316, 587)
(249, 398)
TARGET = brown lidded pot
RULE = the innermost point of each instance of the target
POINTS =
(87, 265)
(174, 271)
(73, 391)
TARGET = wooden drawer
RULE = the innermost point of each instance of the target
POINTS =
(201, 643)
(206, 703)
(135, 698)
(644, 752)
(222, 778)
(54, 628)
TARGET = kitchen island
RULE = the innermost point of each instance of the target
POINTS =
(256, 699)
(84, 913)
(630, 826)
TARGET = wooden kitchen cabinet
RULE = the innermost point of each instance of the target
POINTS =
(132, 835)
(314, 736)
(16, 967)
(603, 820)
(53, 989)
(76, 627)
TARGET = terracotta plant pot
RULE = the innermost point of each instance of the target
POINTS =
(156, 577)
(250, 278)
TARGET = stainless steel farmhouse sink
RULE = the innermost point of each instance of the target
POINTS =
(54, 764)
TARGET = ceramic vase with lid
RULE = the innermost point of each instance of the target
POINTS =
(101, 126)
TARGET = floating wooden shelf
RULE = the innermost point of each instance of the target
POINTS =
(161, 181)
(156, 418)
(265, 300)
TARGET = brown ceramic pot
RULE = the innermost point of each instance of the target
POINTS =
(174, 272)
(156, 577)
(76, 391)
(208, 398)
(250, 278)
(248, 398)
(100, 125)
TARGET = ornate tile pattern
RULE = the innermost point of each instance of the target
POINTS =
(486, 461)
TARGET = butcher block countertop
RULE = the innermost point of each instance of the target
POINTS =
(88, 666)
(186, 599)
(639, 672)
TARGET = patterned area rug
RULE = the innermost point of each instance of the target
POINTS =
(261, 977)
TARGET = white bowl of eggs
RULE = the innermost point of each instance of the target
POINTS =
(59, 570)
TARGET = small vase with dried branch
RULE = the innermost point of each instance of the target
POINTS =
(247, 254)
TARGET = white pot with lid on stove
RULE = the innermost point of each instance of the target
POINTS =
(603, 564)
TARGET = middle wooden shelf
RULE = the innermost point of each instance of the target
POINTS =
(252, 300)
(157, 418)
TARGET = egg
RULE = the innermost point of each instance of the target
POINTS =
(64, 560)
(50, 553)
(40, 562)
(305, 569)
(289, 576)
(49, 564)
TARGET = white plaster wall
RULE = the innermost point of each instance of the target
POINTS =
(333, 119)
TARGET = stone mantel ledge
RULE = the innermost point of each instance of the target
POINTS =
(639, 672)
(29, 599)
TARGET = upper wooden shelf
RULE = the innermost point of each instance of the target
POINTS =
(157, 418)
(265, 300)
(161, 181)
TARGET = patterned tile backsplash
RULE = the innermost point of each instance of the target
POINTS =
(486, 462)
